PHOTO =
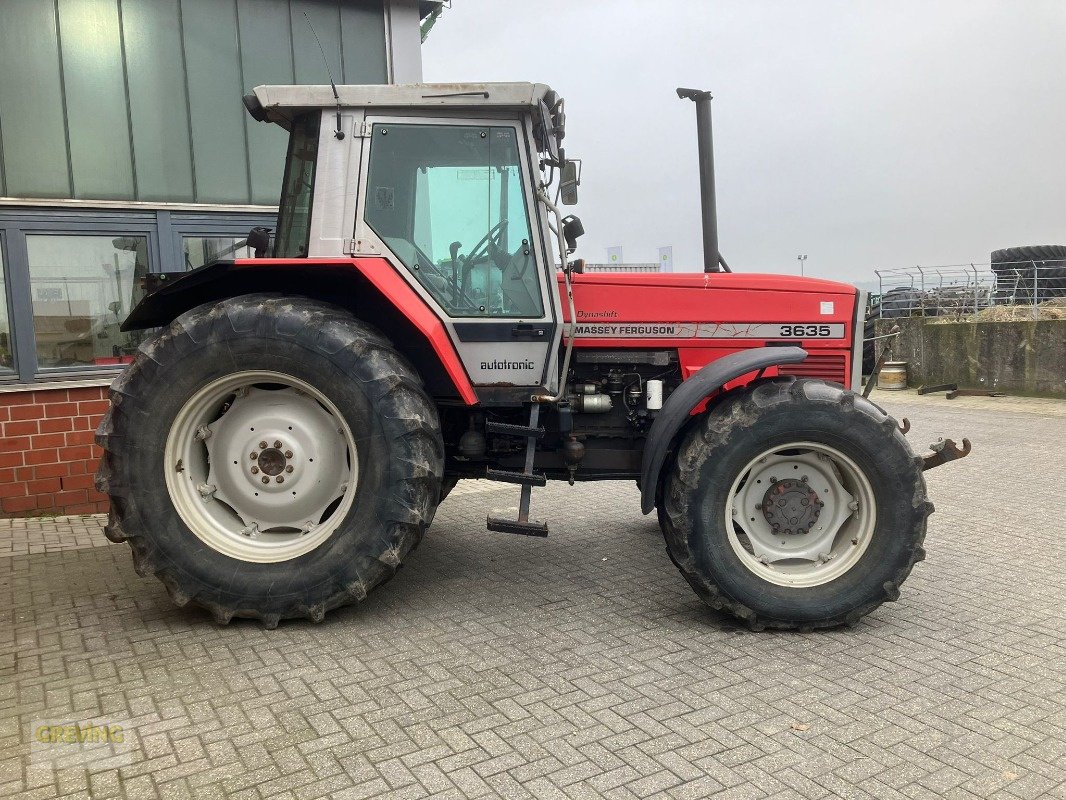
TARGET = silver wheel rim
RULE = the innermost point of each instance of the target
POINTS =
(815, 541)
(261, 466)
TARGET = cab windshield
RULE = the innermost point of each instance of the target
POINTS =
(297, 189)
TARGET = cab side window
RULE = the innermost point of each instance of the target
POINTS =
(448, 200)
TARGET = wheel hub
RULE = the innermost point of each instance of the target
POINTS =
(791, 506)
(270, 462)
(793, 515)
(277, 458)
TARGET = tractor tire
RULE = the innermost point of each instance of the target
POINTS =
(250, 528)
(1018, 279)
(795, 440)
(446, 486)
(1041, 253)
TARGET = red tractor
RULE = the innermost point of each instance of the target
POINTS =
(282, 442)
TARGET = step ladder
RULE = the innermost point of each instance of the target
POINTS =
(523, 526)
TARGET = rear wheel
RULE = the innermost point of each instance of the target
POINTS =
(795, 505)
(270, 458)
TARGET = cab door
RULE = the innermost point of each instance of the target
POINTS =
(450, 203)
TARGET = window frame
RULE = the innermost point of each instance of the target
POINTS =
(9, 306)
(77, 230)
(163, 229)
(184, 225)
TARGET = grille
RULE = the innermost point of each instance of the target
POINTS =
(828, 366)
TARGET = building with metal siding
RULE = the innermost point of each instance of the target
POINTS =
(125, 149)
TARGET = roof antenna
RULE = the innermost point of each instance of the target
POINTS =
(338, 133)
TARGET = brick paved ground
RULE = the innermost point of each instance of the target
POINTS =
(577, 666)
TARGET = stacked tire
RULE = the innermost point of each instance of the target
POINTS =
(1032, 274)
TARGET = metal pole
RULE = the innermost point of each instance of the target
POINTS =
(708, 208)
(1036, 289)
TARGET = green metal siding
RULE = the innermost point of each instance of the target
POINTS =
(363, 39)
(141, 99)
(94, 86)
(326, 18)
(263, 21)
(159, 99)
(213, 69)
(32, 119)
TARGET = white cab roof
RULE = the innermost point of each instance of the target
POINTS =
(281, 102)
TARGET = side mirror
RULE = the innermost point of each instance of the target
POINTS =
(259, 241)
(544, 133)
(572, 229)
(569, 181)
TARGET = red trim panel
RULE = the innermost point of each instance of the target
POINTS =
(382, 274)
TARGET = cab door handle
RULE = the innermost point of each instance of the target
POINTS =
(526, 331)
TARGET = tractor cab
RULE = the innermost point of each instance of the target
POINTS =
(448, 183)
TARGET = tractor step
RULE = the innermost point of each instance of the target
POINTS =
(523, 526)
(523, 478)
(527, 528)
(504, 429)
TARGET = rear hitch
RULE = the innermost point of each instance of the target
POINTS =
(945, 450)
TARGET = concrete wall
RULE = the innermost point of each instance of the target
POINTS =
(1013, 357)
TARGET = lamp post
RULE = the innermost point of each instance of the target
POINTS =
(801, 259)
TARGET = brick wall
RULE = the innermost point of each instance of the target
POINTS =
(47, 451)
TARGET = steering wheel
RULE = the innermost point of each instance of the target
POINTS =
(484, 250)
(488, 243)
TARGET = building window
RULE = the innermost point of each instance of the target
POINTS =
(7, 357)
(201, 250)
(82, 287)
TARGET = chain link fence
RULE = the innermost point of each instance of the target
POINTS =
(1028, 288)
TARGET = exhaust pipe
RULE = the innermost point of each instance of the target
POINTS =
(711, 257)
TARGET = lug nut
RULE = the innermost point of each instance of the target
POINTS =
(262, 445)
(288, 468)
(277, 444)
(253, 455)
(266, 479)
(255, 470)
(288, 454)
(280, 479)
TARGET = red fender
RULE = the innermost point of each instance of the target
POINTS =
(398, 292)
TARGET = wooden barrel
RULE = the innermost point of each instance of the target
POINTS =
(893, 375)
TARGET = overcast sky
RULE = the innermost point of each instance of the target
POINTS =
(864, 134)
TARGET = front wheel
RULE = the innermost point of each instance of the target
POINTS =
(796, 504)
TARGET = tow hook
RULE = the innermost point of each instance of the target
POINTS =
(945, 450)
